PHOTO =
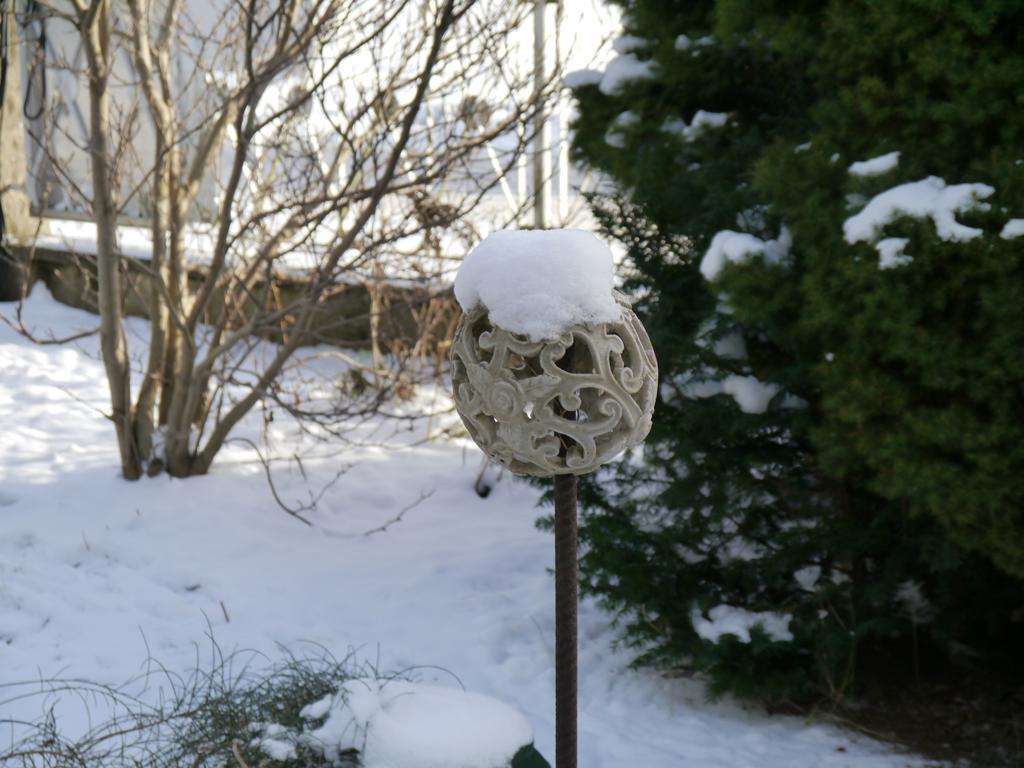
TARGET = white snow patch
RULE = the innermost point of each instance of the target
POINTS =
(855, 200)
(732, 620)
(924, 199)
(624, 120)
(685, 42)
(318, 709)
(674, 125)
(1013, 228)
(742, 550)
(918, 607)
(876, 166)
(890, 252)
(582, 77)
(702, 121)
(688, 555)
(539, 283)
(90, 563)
(272, 741)
(397, 724)
(807, 577)
(698, 389)
(731, 346)
(751, 394)
(623, 69)
(628, 43)
(728, 247)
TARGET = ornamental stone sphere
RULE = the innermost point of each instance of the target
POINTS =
(564, 405)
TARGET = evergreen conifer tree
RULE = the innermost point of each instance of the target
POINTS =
(836, 471)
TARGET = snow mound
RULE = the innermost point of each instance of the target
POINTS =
(876, 166)
(397, 724)
(929, 198)
(540, 282)
(728, 247)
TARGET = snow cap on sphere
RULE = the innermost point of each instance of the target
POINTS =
(541, 282)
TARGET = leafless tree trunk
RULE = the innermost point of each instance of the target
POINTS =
(96, 30)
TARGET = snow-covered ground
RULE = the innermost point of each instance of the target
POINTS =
(97, 573)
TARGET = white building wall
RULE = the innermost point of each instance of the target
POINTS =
(579, 32)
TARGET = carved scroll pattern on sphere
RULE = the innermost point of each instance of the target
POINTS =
(521, 404)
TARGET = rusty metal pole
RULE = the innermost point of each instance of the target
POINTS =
(566, 600)
(566, 593)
